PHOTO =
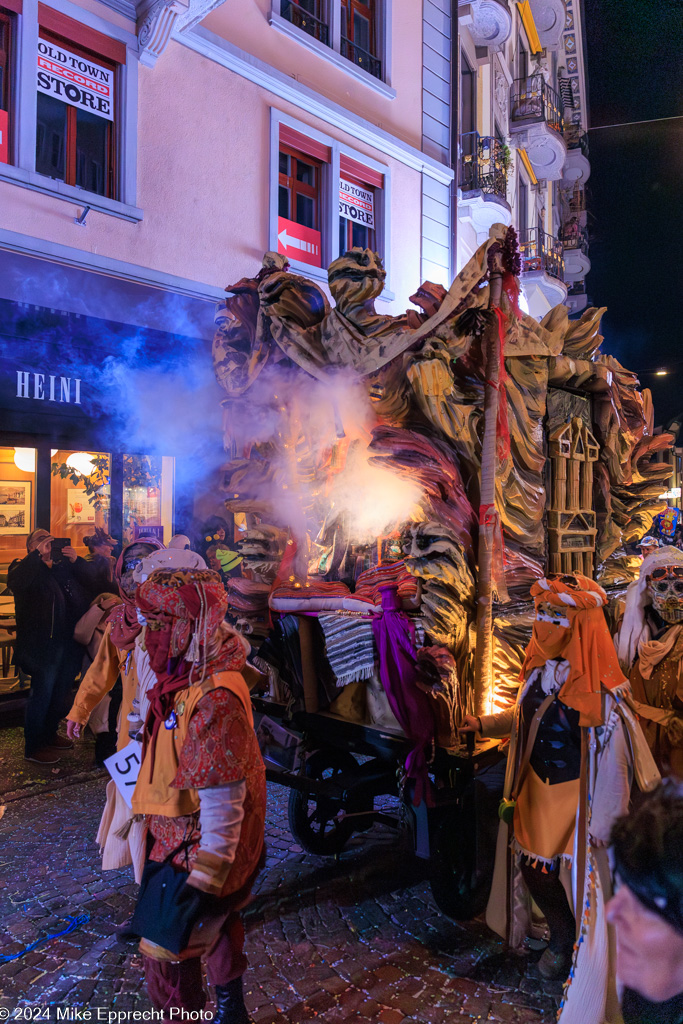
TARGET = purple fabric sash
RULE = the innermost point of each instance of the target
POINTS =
(395, 638)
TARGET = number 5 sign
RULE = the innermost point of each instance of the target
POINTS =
(124, 768)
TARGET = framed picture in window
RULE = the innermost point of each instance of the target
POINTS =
(15, 506)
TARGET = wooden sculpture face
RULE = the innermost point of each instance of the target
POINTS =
(356, 279)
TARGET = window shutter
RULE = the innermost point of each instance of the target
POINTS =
(291, 137)
(360, 171)
(75, 32)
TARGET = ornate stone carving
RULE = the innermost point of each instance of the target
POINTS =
(501, 92)
(545, 148)
(157, 21)
(155, 25)
(489, 21)
(549, 17)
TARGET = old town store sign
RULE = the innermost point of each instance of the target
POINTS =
(75, 80)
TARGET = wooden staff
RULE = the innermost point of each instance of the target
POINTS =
(483, 655)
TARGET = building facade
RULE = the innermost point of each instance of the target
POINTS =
(523, 143)
(150, 155)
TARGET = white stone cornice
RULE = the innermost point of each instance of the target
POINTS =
(217, 49)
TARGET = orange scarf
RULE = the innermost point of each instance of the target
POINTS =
(586, 644)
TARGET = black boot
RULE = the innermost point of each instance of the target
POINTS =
(230, 1008)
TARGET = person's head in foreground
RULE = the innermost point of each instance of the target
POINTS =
(648, 545)
(647, 907)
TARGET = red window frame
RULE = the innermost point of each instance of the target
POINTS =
(81, 41)
(368, 11)
(7, 13)
(296, 187)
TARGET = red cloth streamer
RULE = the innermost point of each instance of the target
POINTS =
(487, 515)
(511, 287)
(502, 425)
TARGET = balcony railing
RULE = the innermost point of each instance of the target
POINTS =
(483, 165)
(540, 251)
(576, 138)
(533, 100)
(300, 15)
(577, 288)
(573, 237)
(576, 199)
(361, 58)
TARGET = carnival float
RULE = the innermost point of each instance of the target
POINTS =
(394, 486)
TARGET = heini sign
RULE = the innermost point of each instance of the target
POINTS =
(48, 387)
(76, 80)
(356, 203)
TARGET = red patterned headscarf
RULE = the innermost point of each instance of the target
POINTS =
(185, 609)
(585, 642)
(124, 620)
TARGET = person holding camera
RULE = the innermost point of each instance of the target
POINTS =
(50, 587)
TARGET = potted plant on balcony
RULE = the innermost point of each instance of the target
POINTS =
(505, 156)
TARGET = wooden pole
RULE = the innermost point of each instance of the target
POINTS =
(483, 655)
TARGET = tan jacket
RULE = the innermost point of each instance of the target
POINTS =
(109, 663)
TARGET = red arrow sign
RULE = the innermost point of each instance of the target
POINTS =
(299, 243)
(4, 138)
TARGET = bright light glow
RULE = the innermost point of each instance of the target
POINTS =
(675, 492)
(374, 500)
(25, 459)
(661, 373)
(523, 303)
(81, 462)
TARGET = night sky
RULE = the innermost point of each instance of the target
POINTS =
(635, 190)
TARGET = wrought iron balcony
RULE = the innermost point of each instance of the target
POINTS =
(483, 164)
(576, 289)
(541, 252)
(574, 237)
(576, 138)
(576, 199)
(301, 14)
(361, 58)
(534, 101)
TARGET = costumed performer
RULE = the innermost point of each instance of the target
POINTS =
(202, 786)
(575, 745)
(115, 659)
(650, 649)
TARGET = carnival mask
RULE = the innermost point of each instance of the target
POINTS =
(665, 584)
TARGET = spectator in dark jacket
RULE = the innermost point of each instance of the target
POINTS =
(50, 596)
(101, 563)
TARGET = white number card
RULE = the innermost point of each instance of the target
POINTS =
(124, 768)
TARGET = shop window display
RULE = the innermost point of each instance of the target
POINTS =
(147, 497)
(80, 495)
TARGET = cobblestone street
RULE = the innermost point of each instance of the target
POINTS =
(354, 940)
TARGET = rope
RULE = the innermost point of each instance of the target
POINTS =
(74, 923)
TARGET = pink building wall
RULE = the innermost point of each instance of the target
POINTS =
(204, 150)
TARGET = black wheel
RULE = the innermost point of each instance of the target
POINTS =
(459, 888)
(317, 822)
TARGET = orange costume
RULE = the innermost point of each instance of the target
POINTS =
(574, 687)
